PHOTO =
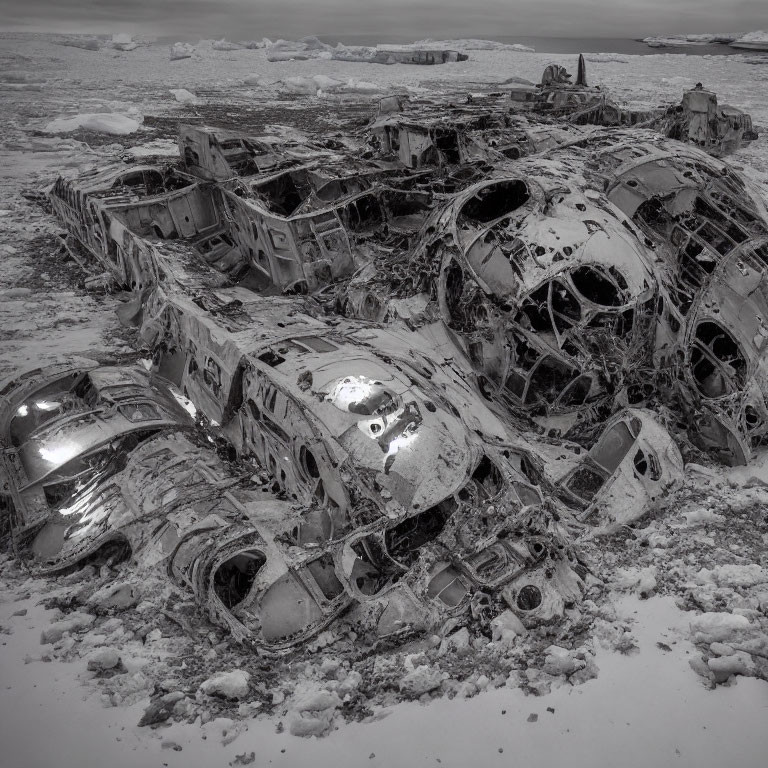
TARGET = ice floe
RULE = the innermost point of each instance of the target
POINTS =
(182, 51)
(103, 122)
(183, 96)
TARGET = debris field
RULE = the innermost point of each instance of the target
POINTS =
(406, 394)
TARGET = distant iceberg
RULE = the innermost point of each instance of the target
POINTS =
(86, 43)
(225, 45)
(473, 44)
(755, 41)
(299, 50)
(123, 42)
(423, 52)
(677, 41)
(254, 44)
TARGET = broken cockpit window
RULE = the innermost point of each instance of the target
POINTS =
(233, 579)
(632, 463)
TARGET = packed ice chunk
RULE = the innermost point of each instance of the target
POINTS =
(733, 575)
(86, 43)
(313, 712)
(123, 42)
(702, 516)
(229, 685)
(182, 51)
(255, 44)
(328, 84)
(506, 627)
(561, 661)
(306, 48)
(720, 627)
(102, 658)
(422, 679)
(361, 86)
(640, 580)
(306, 726)
(74, 622)
(117, 596)
(300, 84)
(102, 122)
(318, 84)
(317, 701)
(183, 96)
(724, 667)
(225, 45)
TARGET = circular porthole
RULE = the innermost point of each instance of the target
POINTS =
(529, 598)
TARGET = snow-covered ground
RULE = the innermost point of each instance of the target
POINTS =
(644, 709)
(702, 556)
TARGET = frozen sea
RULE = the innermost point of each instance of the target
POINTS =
(41, 81)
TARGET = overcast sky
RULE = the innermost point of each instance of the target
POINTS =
(253, 19)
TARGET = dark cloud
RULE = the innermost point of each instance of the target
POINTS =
(414, 18)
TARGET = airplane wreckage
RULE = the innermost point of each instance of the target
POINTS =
(453, 343)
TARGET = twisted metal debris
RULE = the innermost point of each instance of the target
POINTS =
(396, 374)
